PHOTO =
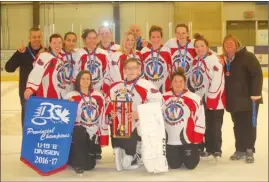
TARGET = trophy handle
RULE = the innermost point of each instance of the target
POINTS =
(129, 119)
(114, 120)
(122, 127)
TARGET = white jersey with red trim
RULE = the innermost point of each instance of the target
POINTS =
(119, 57)
(139, 92)
(174, 46)
(207, 80)
(91, 114)
(104, 72)
(184, 118)
(47, 77)
(161, 79)
(69, 65)
(113, 47)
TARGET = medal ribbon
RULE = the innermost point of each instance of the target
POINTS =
(70, 66)
(89, 105)
(228, 65)
(174, 103)
(31, 52)
(183, 58)
(155, 60)
(199, 65)
(109, 47)
(254, 118)
(91, 62)
(139, 42)
(132, 88)
(62, 66)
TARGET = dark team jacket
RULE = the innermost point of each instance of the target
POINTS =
(245, 80)
(24, 61)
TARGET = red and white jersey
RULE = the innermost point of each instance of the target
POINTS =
(207, 80)
(69, 65)
(138, 91)
(157, 67)
(174, 47)
(119, 57)
(99, 64)
(47, 78)
(113, 47)
(184, 118)
(91, 113)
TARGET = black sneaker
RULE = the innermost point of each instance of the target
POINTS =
(98, 156)
(238, 155)
(205, 154)
(249, 156)
(79, 171)
(217, 154)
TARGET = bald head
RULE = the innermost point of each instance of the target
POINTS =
(136, 30)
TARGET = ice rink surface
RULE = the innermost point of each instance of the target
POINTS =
(12, 169)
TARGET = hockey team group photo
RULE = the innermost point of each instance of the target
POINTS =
(153, 104)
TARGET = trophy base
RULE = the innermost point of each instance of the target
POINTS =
(115, 136)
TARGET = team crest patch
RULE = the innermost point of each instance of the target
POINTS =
(197, 79)
(177, 62)
(61, 76)
(94, 113)
(95, 71)
(154, 72)
(174, 113)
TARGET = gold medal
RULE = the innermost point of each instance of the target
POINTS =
(172, 116)
(89, 120)
(156, 76)
(124, 91)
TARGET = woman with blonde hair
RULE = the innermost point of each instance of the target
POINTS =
(127, 50)
(243, 85)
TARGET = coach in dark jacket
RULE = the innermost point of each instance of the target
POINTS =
(24, 58)
(243, 83)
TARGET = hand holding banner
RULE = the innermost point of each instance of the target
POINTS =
(47, 134)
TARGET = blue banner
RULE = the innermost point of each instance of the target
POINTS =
(47, 134)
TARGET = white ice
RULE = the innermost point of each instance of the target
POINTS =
(12, 169)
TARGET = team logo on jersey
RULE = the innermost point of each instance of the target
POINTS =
(68, 71)
(177, 62)
(61, 76)
(94, 114)
(174, 113)
(197, 79)
(149, 70)
(95, 70)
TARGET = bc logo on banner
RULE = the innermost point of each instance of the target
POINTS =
(47, 134)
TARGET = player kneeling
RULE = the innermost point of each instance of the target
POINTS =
(90, 123)
(184, 123)
(124, 97)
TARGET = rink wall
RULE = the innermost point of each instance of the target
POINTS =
(261, 53)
